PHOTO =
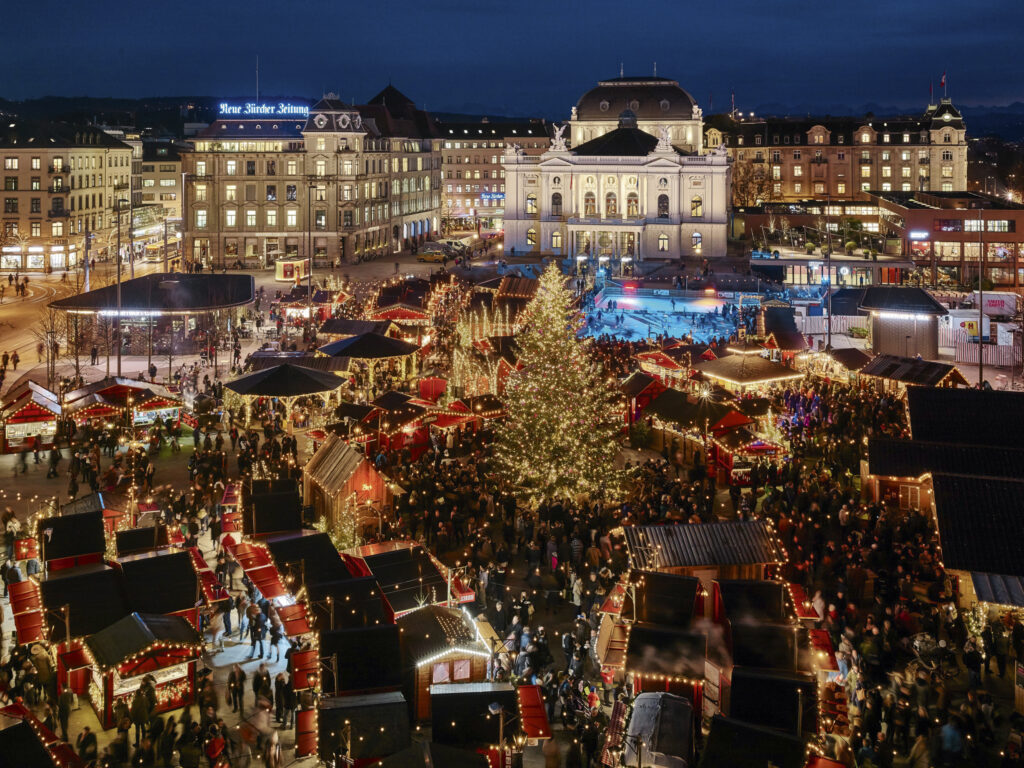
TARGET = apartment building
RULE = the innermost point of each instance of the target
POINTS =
(61, 183)
(818, 158)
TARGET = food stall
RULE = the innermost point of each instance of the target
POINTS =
(30, 413)
(164, 649)
(291, 270)
(150, 406)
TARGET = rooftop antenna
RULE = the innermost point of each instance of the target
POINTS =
(655, 69)
(622, 72)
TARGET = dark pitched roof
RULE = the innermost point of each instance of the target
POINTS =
(846, 301)
(369, 346)
(684, 410)
(358, 602)
(392, 98)
(18, 133)
(286, 380)
(96, 597)
(998, 589)
(735, 542)
(909, 370)
(348, 327)
(368, 658)
(302, 360)
(311, 554)
(266, 128)
(751, 599)
(432, 629)
(735, 744)
(621, 142)
(650, 98)
(21, 747)
(408, 577)
(655, 649)
(788, 693)
(981, 522)
(72, 535)
(636, 383)
(974, 416)
(851, 358)
(913, 458)
(746, 369)
(661, 598)
(160, 583)
(762, 645)
(137, 632)
(175, 292)
(898, 298)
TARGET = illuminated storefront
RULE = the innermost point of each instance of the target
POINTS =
(38, 258)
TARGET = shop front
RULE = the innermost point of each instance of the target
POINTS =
(38, 258)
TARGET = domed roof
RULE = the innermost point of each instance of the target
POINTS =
(649, 98)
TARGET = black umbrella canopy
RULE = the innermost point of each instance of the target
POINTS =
(369, 346)
(285, 380)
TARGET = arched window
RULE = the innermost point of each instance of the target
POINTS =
(589, 204)
(663, 242)
(697, 207)
(531, 203)
(531, 237)
(556, 204)
(611, 205)
(632, 205)
(556, 240)
(696, 240)
(662, 206)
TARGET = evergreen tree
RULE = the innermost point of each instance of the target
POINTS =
(560, 434)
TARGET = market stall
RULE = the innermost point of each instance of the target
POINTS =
(164, 649)
(30, 415)
(291, 270)
(343, 486)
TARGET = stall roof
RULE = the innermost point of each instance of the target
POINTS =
(137, 633)
(973, 416)
(912, 371)
(735, 744)
(115, 390)
(368, 657)
(334, 463)
(427, 754)
(20, 745)
(357, 602)
(747, 370)
(913, 458)
(320, 561)
(733, 542)
(343, 326)
(788, 693)
(653, 649)
(981, 522)
(753, 599)
(71, 535)
(95, 595)
(998, 589)
(686, 410)
(165, 293)
(433, 629)
(903, 299)
(160, 583)
(408, 576)
(286, 380)
(314, 362)
(30, 392)
(459, 711)
(636, 383)
(851, 358)
(369, 346)
(661, 598)
(664, 723)
(762, 645)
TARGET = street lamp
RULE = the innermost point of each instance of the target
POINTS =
(118, 208)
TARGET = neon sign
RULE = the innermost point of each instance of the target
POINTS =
(253, 109)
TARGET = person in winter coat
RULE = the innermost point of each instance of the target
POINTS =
(140, 713)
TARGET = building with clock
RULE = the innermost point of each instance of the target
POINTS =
(636, 183)
(344, 182)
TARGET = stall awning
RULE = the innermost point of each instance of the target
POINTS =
(822, 645)
(532, 713)
(75, 659)
(295, 619)
(256, 563)
(27, 607)
(801, 603)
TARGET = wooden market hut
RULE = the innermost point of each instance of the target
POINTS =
(123, 400)
(27, 743)
(660, 731)
(439, 646)
(337, 328)
(30, 413)
(122, 655)
(739, 549)
(793, 697)
(639, 389)
(340, 483)
(361, 660)
(895, 375)
(371, 726)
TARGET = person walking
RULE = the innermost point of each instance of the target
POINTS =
(257, 627)
(236, 687)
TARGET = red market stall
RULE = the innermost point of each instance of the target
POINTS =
(30, 413)
(139, 646)
(120, 399)
(259, 567)
(150, 406)
(27, 608)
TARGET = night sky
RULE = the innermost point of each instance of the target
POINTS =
(525, 57)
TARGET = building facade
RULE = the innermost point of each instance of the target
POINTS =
(622, 193)
(952, 236)
(161, 176)
(343, 183)
(473, 172)
(835, 158)
(62, 183)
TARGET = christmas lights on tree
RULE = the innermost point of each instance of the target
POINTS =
(560, 437)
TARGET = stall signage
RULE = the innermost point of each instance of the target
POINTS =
(492, 195)
(254, 109)
(124, 685)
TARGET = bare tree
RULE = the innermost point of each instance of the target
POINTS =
(750, 183)
(48, 332)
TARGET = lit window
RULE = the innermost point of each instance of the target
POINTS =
(696, 240)
(231, 192)
(798, 188)
(697, 207)
(250, 218)
(201, 219)
(292, 217)
(230, 217)
(531, 203)
(531, 237)
(841, 188)
(556, 240)
(232, 167)
(57, 229)
(271, 217)
(663, 243)
(865, 137)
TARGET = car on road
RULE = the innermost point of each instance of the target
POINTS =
(432, 252)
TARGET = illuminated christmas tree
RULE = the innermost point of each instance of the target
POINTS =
(560, 436)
